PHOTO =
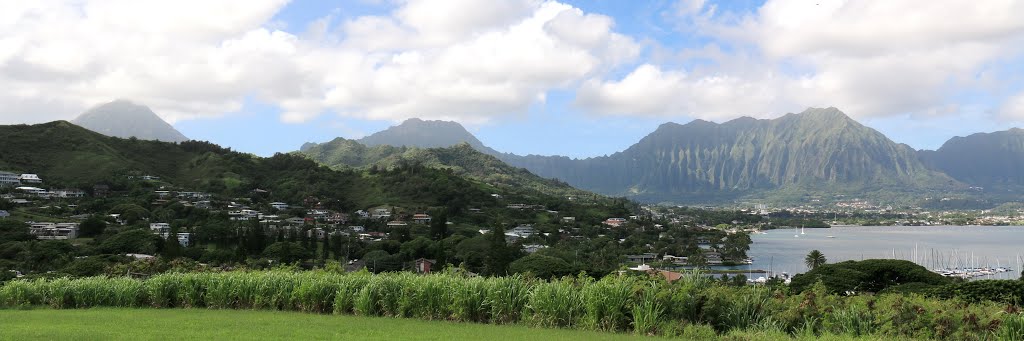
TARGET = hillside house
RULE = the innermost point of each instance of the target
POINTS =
(54, 231)
(337, 218)
(397, 223)
(9, 179)
(30, 179)
(36, 191)
(421, 218)
(161, 229)
(4, 214)
(642, 258)
(615, 222)
(568, 220)
(523, 231)
(381, 213)
(67, 193)
(422, 265)
(280, 206)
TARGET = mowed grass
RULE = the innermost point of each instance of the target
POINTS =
(212, 324)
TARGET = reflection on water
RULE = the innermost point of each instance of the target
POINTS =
(930, 246)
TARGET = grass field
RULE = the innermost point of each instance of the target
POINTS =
(208, 324)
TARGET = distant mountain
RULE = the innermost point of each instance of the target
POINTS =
(462, 159)
(983, 159)
(816, 150)
(415, 132)
(125, 119)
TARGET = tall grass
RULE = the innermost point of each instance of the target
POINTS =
(693, 307)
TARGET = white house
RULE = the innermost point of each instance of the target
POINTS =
(185, 239)
(4, 214)
(30, 179)
(421, 218)
(54, 231)
(32, 190)
(9, 179)
(67, 193)
(162, 229)
(381, 213)
(279, 205)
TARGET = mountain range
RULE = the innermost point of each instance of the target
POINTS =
(820, 152)
(125, 119)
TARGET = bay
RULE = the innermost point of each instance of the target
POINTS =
(784, 250)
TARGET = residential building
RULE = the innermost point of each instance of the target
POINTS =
(381, 213)
(421, 218)
(533, 248)
(337, 218)
(4, 214)
(568, 220)
(32, 190)
(615, 222)
(642, 258)
(162, 229)
(30, 179)
(523, 231)
(54, 231)
(67, 193)
(185, 239)
(423, 265)
(279, 206)
(9, 179)
(396, 223)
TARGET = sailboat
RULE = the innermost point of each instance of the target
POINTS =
(794, 233)
(802, 230)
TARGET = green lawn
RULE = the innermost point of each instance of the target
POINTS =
(202, 324)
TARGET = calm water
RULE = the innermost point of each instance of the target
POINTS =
(780, 251)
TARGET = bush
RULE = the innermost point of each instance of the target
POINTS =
(1004, 291)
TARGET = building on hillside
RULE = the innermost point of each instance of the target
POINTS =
(642, 258)
(397, 223)
(615, 222)
(422, 265)
(279, 205)
(533, 248)
(421, 218)
(9, 179)
(54, 231)
(32, 191)
(162, 229)
(568, 220)
(194, 195)
(185, 239)
(381, 213)
(4, 214)
(100, 190)
(523, 231)
(67, 193)
(30, 179)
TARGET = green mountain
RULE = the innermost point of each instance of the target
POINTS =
(64, 154)
(125, 119)
(462, 159)
(816, 151)
(983, 159)
(415, 132)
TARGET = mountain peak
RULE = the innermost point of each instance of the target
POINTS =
(415, 132)
(124, 118)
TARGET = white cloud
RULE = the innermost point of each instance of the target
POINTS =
(1013, 108)
(441, 59)
(869, 58)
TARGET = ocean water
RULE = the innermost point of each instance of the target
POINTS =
(936, 246)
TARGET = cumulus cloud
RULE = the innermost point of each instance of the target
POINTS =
(440, 59)
(869, 58)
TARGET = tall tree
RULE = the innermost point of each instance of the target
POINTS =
(439, 226)
(815, 259)
(172, 249)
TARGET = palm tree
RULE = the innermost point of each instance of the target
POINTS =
(815, 259)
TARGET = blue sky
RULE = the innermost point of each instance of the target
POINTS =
(577, 78)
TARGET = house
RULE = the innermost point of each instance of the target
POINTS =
(4, 214)
(381, 213)
(421, 218)
(194, 195)
(244, 214)
(30, 179)
(162, 194)
(642, 258)
(615, 222)
(32, 190)
(279, 206)
(100, 190)
(533, 248)
(150, 178)
(523, 231)
(54, 231)
(516, 206)
(422, 265)
(296, 221)
(67, 193)
(363, 214)
(9, 179)
(397, 223)
(337, 218)
(357, 229)
(162, 229)
(568, 220)
(185, 239)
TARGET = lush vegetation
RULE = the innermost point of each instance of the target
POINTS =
(693, 307)
(872, 275)
(203, 324)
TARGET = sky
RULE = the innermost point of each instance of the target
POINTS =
(578, 78)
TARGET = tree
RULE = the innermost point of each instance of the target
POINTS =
(172, 248)
(542, 266)
(815, 259)
(287, 252)
(439, 226)
(92, 227)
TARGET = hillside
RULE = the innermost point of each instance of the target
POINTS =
(125, 119)
(64, 154)
(462, 159)
(814, 151)
(983, 159)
